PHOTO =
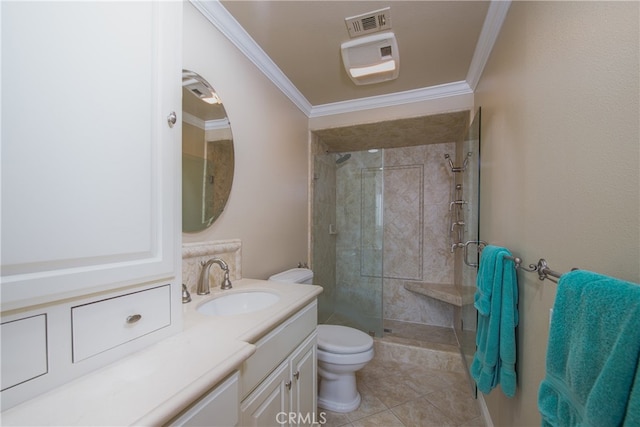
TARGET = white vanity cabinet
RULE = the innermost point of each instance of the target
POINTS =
(287, 396)
(90, 201)
(24, 350)
(118, 320)
(304, 388)
(218, 408)
(90, 195)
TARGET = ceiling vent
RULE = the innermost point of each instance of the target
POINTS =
(199, 87)
(367, 23)
(371, 59)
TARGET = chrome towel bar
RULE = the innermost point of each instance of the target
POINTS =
(542, 268)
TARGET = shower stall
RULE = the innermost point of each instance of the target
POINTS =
(348, 240)
(384, 224)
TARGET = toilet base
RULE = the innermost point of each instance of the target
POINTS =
(338, 393)
(341, 407)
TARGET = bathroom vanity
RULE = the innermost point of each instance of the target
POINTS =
(278, 379)
(93, 330)
(281, 376)
(246, 367)
(90, 175)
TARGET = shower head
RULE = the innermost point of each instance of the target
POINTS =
(342, 158)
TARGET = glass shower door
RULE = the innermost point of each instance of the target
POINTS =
(471, 187)
(348, 239)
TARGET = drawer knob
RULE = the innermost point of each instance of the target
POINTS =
(133, 318)
(296, 375)
(288, 385)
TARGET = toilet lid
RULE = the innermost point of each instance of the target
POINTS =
(342, 339)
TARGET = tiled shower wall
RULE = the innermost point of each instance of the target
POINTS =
(417, 189)
(359, 239)
(417, 192)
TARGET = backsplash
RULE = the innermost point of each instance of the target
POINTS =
(195, 253)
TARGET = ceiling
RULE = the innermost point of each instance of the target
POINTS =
(436, 42)
(443, 47)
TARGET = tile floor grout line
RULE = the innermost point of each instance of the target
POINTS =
(435, 403)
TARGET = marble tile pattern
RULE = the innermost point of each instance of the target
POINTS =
(413, 131)
(400, 388)
(403, 221)
(221, 172)
(358, 283)
(436, 338)
(433, 261)
(387, 209)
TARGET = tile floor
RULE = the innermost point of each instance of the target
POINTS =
(408, 393)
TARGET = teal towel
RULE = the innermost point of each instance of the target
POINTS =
(632, 415)
(496, 300)
(593, 355)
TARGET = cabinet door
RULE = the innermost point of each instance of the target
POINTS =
(219, 408)
(305, 383)
(89, 161)
(269, 404)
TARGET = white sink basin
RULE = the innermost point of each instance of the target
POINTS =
(238, 303)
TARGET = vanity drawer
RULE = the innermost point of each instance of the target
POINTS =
(24, 350)
(102, 325)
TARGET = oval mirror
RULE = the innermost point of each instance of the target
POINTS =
(207, 154)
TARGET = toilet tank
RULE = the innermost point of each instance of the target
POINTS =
(294, 275)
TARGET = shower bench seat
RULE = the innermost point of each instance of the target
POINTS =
(449, 293)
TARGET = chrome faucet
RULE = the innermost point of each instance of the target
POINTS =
(203, 282)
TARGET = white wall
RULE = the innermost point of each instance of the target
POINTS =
(267, 207)
(560, 174)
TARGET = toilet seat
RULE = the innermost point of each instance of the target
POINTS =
(338, 339)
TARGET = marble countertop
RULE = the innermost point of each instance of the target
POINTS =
(150, 386)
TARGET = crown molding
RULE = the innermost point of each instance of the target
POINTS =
(205, 125)
(193, 120)
(398, 98)
(490, 29)
(230, 28)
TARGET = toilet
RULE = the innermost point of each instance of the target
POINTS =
(341, 352)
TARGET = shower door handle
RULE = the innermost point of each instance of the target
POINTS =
(480, 245)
